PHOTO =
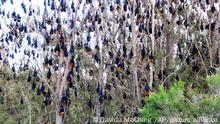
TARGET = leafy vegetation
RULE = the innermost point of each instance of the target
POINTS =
(172, 103)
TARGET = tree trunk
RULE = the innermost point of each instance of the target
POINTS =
(134, 44)
(58, 117)
(152, 48)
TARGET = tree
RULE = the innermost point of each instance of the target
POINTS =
(88, 55)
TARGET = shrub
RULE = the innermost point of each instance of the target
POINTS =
(173, 104)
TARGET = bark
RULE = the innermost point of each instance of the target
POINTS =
(58, 117)
(100, 73)
(152, 47)
(134, 43)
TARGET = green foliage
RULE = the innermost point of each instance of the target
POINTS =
(214, 80)
(164, 102)
(172, 103)
(5, 117)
